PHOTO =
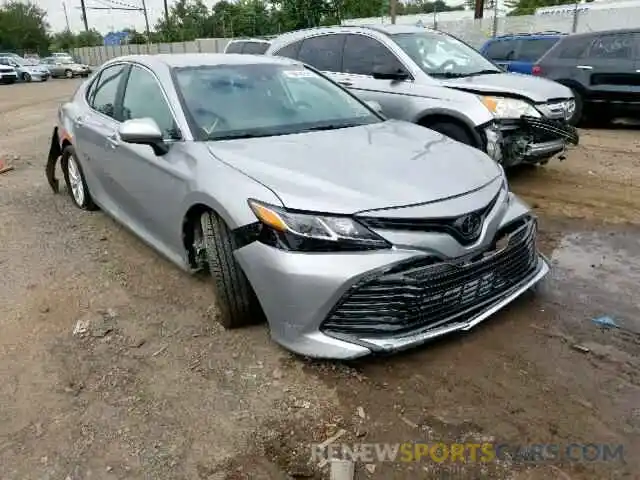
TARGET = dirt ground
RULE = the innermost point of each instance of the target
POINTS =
(153, 389)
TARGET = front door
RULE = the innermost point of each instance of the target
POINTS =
(152, 183)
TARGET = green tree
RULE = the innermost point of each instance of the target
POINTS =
(23, 27)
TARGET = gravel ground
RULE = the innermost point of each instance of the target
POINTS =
(153, 388)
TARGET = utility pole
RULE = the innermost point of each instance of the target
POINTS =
(495, 17)
(393, 4)
(84, 15)
(146, 21)
(479, 9)
(66, 16)
(574, 28)
(166, 12)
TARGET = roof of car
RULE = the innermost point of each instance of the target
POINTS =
(604, 32)
(259, 40)
(202, 59)
(532, 35)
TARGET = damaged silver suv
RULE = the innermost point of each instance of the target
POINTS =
(433, 79)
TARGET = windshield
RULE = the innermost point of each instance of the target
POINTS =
(64, 60)
(441, 55)
(259, 100)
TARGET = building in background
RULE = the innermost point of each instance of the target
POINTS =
(569, 9)
(116, 38)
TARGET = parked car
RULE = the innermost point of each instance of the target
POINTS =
(515, 119)
(63, 55)
(9, 54)
(601, 68)
(252, 46)
(26, 70)
(519, 52)
(8, 74)
(67, 68)
(351, 233)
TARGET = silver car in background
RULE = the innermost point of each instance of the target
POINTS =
(351, 233)
(433, 79)
(27, 70)
(66, 67)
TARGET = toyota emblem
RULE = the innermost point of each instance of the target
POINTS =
(469, 225)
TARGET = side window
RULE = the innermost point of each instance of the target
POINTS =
(290, 51)
(613, 47)
(532, 50)
(234, 47)
(106, 90)
(362, 54)
(255, 48)
(501, 50)
(91, 91)
(323, 52)
(574, 48)
(143, 98)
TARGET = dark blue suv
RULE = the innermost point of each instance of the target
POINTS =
(518, 52)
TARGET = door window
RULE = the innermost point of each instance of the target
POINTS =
(323, 52)
(501, 50)
(234, 47)
(532, 50)
(290, 51)
(143, 98)
(618, 47)
(255, 48)
(106, 91)
(573, 48)
(362, 54)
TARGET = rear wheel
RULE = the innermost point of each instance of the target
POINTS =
(452, 130)
(576, 117)
(74, 178)
(236, 299)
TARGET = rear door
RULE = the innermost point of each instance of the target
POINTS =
(502, 52)
(610, 68)
(529, 51)
(323, 52)
(93, 130)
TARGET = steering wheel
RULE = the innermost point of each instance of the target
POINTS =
(446, 63)
(217, 120)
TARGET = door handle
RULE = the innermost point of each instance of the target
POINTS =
(345, 83)
(79, 121)
(112, 140)
(584, 67)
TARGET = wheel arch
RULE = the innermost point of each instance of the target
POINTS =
(431, 118)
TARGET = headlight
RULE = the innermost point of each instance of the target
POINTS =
(312, 232)
(502, 107)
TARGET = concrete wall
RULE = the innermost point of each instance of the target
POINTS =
(474, 32)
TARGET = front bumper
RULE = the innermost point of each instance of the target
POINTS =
(348, 305)
(532, 140)
(8, 77)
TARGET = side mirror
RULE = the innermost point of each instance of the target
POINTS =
(373, 105)
(382, 73)
(143, 131)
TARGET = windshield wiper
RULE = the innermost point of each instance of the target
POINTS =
(333, 126)
(239, 135)
(483, 72)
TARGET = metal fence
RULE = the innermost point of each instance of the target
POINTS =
(474, 32)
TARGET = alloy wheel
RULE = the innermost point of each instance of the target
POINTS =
(75, 181)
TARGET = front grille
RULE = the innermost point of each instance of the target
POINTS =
(440, 225)
(429, 293)
(545, 130)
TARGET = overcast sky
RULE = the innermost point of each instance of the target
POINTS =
(109, 20)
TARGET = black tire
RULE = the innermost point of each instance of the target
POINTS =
(26, 77)
(237, 301)
(68, 74)
(578, 113)
(452, 130)
(86, 202)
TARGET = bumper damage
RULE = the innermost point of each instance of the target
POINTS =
(55, 152)
(345, 306)
(536, 140)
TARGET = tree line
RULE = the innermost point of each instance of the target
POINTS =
(24, 28)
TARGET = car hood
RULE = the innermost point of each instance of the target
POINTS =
(388, 164)
(537, 90)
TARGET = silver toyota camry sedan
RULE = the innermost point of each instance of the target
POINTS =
(350, 233)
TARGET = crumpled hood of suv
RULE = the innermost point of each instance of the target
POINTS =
(536, 89)
(388, 164)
